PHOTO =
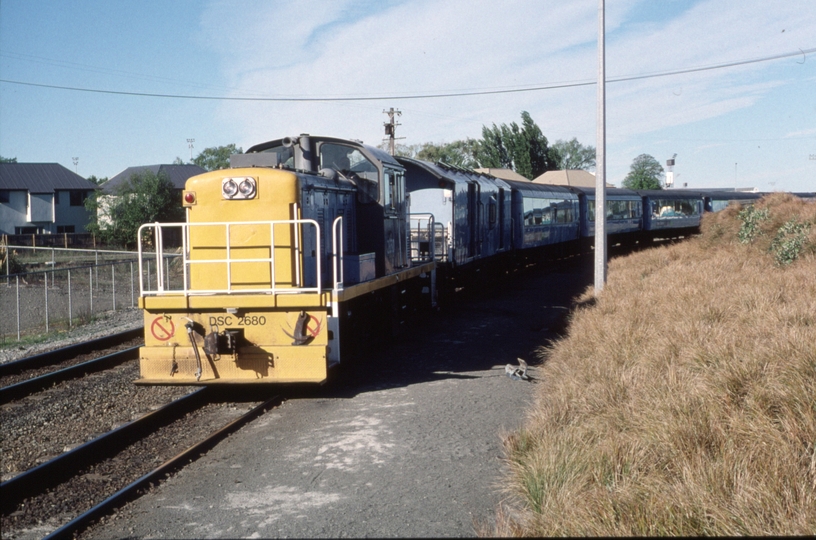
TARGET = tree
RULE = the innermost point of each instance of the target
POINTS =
(572, 155)
(644, 173)
(523, 148)
(458, 153)
(8, 159)
(145, 198)
(216, 157)
(97, 181)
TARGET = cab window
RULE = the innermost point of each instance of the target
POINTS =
(352, 164)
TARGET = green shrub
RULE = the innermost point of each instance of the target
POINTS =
(751, 220)
(789, 241)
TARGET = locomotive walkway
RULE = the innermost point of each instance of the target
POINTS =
(407, 444)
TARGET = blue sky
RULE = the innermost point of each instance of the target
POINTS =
(752, 124)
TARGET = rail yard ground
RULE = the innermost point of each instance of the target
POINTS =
(406, 443)
(683, 400)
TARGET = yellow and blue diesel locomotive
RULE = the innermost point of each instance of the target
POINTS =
(277, 253)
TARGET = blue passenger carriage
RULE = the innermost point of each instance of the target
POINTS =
(714, 201)
(470, 211)
(671, 213)
(545, 217)
(624, 215)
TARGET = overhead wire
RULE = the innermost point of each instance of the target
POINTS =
(552, 86)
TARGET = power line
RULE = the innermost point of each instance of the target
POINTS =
(553, 86)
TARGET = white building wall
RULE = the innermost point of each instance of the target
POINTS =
(14, 213)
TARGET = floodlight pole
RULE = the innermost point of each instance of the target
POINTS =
(600, 161)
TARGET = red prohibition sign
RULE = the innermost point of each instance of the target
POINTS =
(161, 331)
(312, 332)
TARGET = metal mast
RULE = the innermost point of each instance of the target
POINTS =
(391, 129)
(600, 161)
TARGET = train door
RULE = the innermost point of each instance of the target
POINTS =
(501, 218)
(474, 219)
(395, 210)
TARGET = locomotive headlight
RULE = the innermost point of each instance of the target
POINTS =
(247, 187)
(229, 188)
(238, 188)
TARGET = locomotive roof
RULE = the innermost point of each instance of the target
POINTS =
(377, 153)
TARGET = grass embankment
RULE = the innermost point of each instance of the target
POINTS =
(683, 401)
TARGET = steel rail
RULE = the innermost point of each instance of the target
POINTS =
(131, 491)
(59, 355)
(30, 386)
(51, 473)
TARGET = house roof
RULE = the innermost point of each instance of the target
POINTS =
(504, 174)
(178, 175)
(41, 178)
(568, 177)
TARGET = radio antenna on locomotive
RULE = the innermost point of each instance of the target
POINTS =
(391, 129)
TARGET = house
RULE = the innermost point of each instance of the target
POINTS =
(569, 177)
(177, 174)
(42, 198)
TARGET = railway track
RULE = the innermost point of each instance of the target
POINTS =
(30, 497)
(28, 375)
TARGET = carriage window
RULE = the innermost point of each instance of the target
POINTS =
(675, 208)
(491, 211)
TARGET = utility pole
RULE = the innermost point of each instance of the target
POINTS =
(600, 161)
(190, 144)
(391, 129)
(76, 162)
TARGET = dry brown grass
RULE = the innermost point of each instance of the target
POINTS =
(684, 401)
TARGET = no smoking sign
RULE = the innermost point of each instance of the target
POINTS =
(162, 328)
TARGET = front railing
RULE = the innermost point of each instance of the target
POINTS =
(296, 229)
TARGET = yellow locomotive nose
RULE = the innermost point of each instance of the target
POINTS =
(260, 345)
(231, 303)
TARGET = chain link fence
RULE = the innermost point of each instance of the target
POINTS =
(68, 293)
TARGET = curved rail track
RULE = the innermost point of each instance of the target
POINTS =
(70, 464)
(54, 358)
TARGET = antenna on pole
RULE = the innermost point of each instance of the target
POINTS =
(76, 162)
(670, 171)
(190, 144)
(391, 129)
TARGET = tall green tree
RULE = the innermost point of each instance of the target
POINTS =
(145, 198)
(645, 173)
(523, 148)
(572, 155)
(458, 153)
(216, 157)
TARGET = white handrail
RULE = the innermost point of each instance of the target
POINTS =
(158, 228)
